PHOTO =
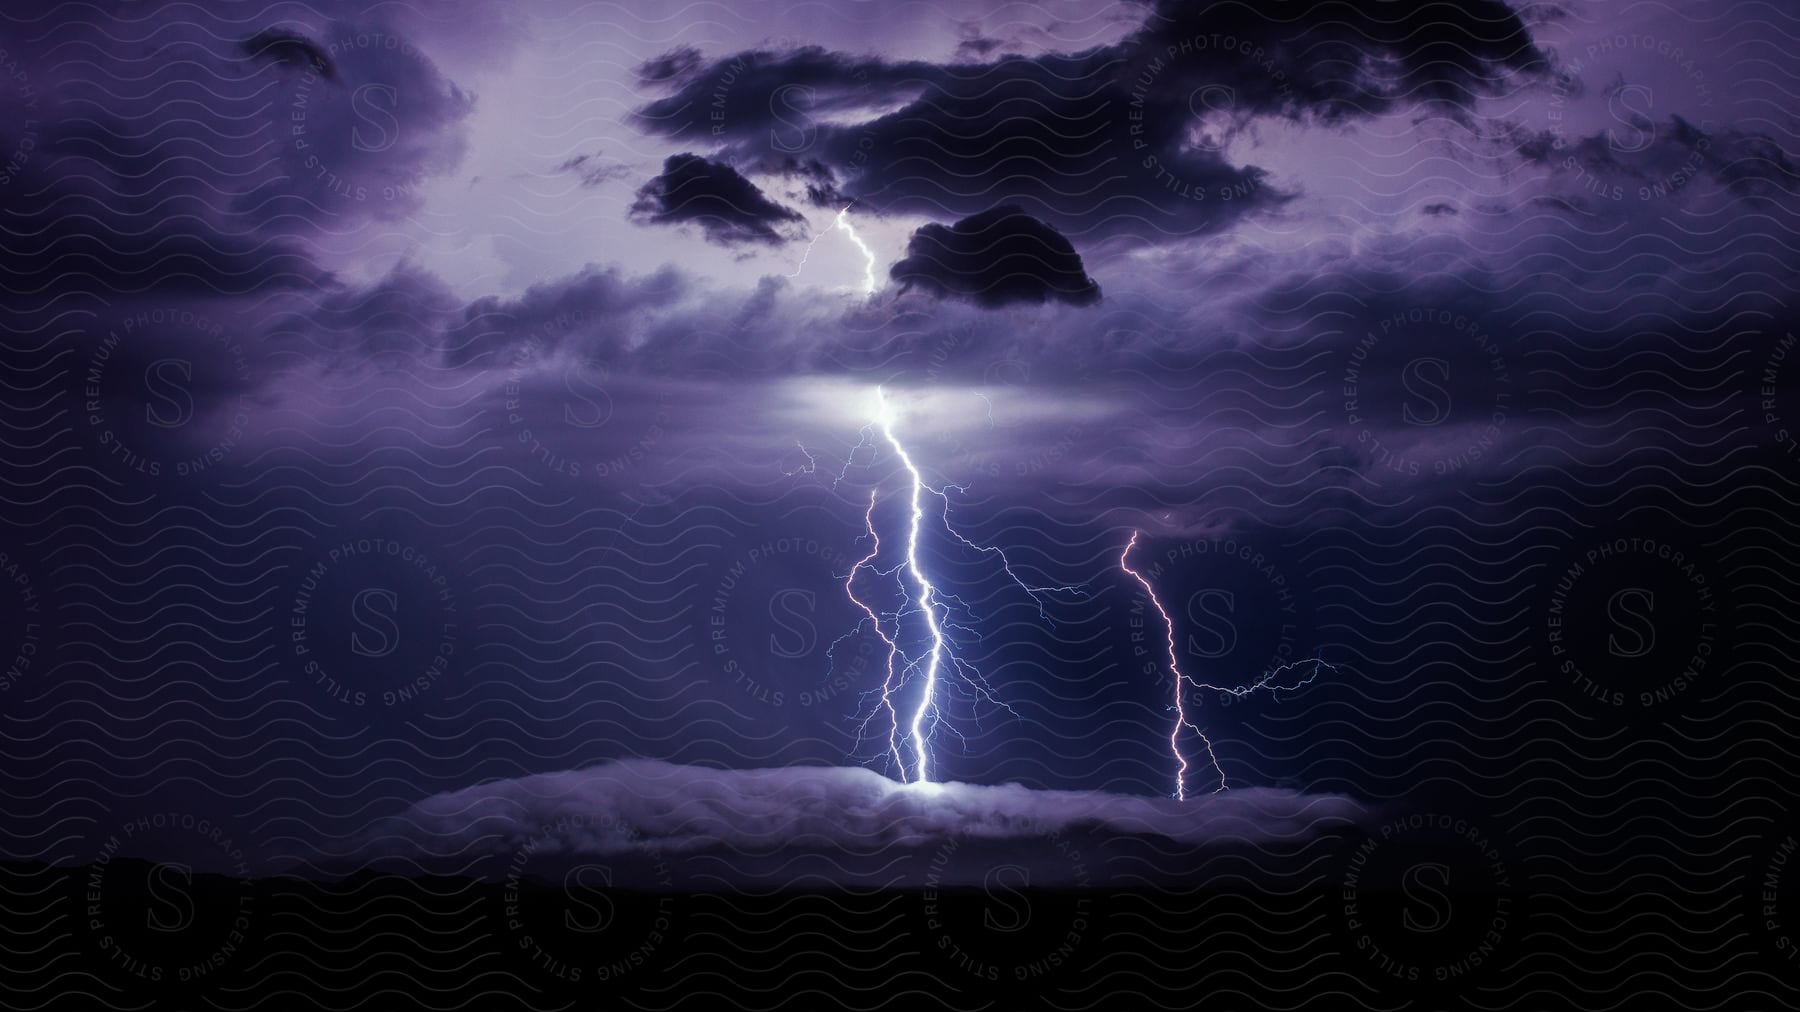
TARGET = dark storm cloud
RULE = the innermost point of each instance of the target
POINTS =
(202, 164)
(672, 65)
(750, 92)
(704, 358)
(171, 188)
(1597, 215)
(1613, 260)
(360, 141)
(994, 258)
(289, 48)
(1343, 60)
(1094, 142)
(592, 309)
(730, 209)
(977, 47)
(398, 320)
(1664, 159)
(594, 170)
(83, 232)
(964, 139)
(1438, 336)
(668, 324)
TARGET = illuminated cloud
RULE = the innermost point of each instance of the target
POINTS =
(644, 807)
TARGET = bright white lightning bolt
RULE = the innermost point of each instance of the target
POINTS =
(931, 603)
(928, 697)
(1179, 678)
(842, 221)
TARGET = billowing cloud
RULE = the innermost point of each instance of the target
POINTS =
(995, 258)
(730, 209)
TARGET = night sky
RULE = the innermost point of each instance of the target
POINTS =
(448, 433)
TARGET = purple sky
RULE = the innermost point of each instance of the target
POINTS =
(1413, 304)
(428, 423)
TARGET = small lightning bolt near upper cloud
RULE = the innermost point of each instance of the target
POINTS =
(842, 221)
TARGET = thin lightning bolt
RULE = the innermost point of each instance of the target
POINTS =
(811, 465)
(842, 221)
(887, 682)
(1180, 678)
(1181, 764)
(850, 458)
(1005, 563)
(804, 257)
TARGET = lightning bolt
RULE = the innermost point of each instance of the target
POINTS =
(931, 603)
(1180, 679)
(842, 221)
(893, 647)
(812, 462)
(916, 513)
(1181, 720)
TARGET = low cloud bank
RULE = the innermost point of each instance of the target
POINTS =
(671, 813)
